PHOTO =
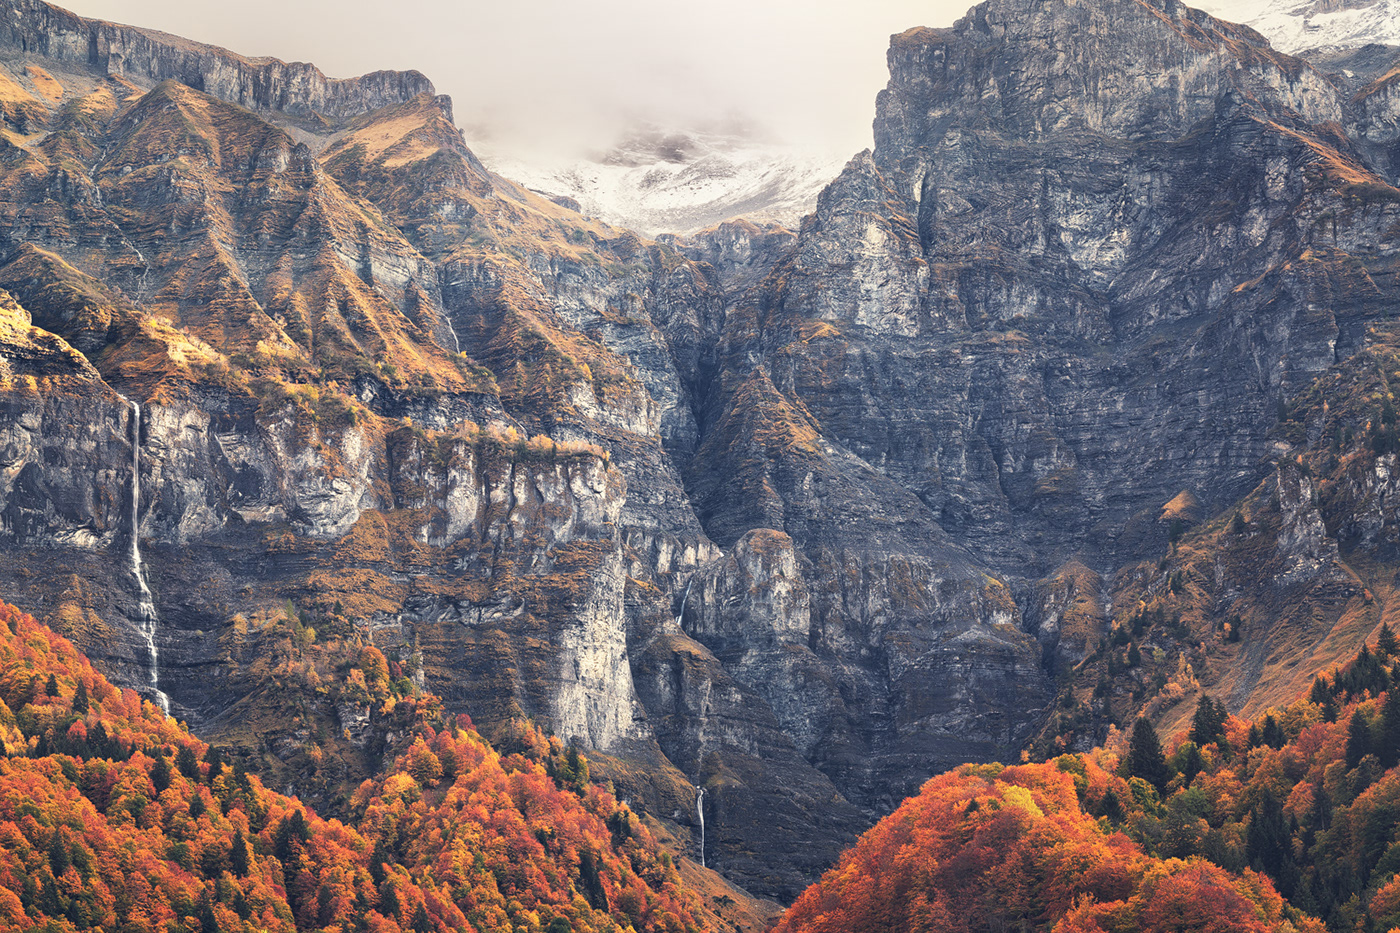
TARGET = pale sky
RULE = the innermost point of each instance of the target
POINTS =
(563, 73)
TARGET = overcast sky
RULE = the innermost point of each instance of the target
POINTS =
(563, 73)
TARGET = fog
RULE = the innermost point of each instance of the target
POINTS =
(566, 75)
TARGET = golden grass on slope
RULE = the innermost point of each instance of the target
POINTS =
(44, 83)
(399, 134)
(100, 104)
(1184, 506)
(12, 93)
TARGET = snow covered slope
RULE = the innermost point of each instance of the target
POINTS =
(658, 181)
(1298, 26)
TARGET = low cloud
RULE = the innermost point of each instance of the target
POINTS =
(565, 75)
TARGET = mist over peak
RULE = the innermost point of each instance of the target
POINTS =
(547, 77)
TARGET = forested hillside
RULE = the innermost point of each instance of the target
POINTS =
(1279, 824)
(113, 817)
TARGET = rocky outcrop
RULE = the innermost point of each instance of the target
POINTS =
(1376, 124)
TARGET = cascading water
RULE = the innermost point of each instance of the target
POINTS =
(145, 606)
(700, 812)
(681, 614)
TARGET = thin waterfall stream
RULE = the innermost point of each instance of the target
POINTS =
(681, 614)
(145, 606)
(700, 812)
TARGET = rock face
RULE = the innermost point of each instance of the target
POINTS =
(801, 517)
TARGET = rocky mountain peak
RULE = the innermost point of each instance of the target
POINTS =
(1127, 69)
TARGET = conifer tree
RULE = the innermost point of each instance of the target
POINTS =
(1267, 836)
(1272, 733)
(1386, 644)
(1388, 741)
(238, 855)
(1208, 725)
(188, 764)
(160, 773)
(80, 698)
(1145, 758)
(1358, 740)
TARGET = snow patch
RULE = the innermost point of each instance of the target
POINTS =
(680, 182)
(1293, 26)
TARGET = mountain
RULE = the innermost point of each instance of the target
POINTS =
(796, 518)
(1049, 318)
(658, 181)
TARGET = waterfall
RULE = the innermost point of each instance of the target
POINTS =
(145, 606)
(700, 812)
(681, 614)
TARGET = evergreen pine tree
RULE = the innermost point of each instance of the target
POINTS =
(160, 773)
(1267, 837)
(238, 855)
(1272, 733)
(51, 688)
(188, 764)
(59, 858)
(1386, 644)
(208, 923)
(1208, 725)
(389, 901)
(1388, 744)
(100, 743)
(1145, 759)
(1358, 740)
(80, 698)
